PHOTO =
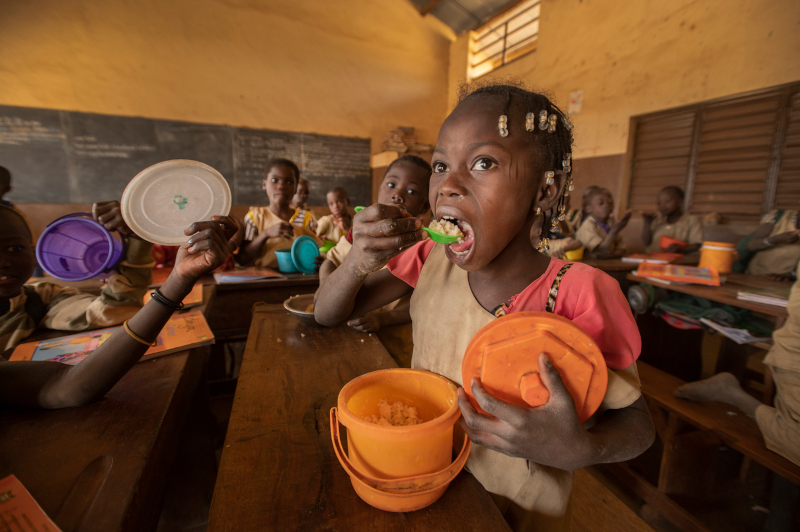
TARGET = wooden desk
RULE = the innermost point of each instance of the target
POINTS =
(619, 265)
(727, 292)
(103, 467)
(231, 313)
(278, 469)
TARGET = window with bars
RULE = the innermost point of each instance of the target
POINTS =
(739, 156)
(504, 39)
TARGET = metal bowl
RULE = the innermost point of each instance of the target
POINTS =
(297, 305)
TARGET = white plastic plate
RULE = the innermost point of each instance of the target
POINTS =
(166, 198)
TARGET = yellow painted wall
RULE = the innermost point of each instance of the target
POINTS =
(338, 67)
(637, 56)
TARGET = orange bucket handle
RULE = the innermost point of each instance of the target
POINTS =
(398, 485)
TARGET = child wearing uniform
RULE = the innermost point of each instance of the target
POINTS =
(495, 179)
(270, 229)
(671, 221)
(774, 248)
(335, 225)
(304, 218)
(25, 308)
(599, 233)
(405, 183)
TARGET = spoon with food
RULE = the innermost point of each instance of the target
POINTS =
(440, 231)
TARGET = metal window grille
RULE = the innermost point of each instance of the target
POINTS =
(504, 39)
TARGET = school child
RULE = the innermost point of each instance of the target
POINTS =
(335, 225)
(773, 250)
(299, 201)
(599, 233)
(671, 221)
(5, 186)
(270, 229)
(575, 217)
(405, 183)
(494, 174)
(24, 308)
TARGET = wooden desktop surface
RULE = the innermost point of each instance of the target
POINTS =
(726, 293)
(231, 313)
(619, 265)
(278, 469)
(103, 467)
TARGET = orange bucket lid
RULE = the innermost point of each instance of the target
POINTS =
(504, 355)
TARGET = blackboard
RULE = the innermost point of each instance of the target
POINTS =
(69, 157)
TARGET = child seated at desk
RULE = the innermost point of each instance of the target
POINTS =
(405, 183)
(270, 229)
(24, 308)
(671, 221)
(599, 233)
(299, 201)
(494, 178)
(773, 250)
(336, 225)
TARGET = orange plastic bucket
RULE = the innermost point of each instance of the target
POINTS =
(399, 469)
(720, 255)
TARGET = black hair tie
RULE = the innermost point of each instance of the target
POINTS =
(170, 304)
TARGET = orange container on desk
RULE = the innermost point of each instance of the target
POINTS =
(667, 241)
(720, 255)
(399, 469)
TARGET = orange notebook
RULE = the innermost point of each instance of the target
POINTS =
(19, 510)
(681, 274)
(181, 332)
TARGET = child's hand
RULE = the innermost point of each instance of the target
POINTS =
(550, 434)
(379, 233)
(620, 225)
(366, 324)
(282, 229)
(109, 215)
(788, 237)
(206, 249)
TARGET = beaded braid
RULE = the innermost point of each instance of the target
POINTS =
(553, 124)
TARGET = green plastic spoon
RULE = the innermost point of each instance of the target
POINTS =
(439, 238)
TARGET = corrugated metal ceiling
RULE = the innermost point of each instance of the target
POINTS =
(465, 15)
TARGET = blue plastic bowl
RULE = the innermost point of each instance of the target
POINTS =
(285, 263)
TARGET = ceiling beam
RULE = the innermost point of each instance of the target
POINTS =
(427, 8)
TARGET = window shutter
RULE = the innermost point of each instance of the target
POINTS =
(734, 156)
(662, 152)
(788, 188)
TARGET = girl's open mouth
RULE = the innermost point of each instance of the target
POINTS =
(463, 247)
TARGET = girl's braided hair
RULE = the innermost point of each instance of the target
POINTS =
(554, 148)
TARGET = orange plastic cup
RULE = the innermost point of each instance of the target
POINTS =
(399, 469)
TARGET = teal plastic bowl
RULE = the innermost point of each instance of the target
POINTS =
(285, 263)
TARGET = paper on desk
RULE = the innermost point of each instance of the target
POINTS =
(246, 275)
(740, 336)
(19, 510)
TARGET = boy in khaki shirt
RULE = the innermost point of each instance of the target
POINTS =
(599, 233)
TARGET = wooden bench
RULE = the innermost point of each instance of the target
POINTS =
(691, 432)
(596, 509)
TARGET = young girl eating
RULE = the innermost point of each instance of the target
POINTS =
(269, 229)
(494, 174)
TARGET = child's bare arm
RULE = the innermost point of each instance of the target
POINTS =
(551, 434)
(54, 385)
(359, 285)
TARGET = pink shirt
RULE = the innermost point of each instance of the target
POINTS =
(587, 296)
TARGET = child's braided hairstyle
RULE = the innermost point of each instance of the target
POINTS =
(554, 148)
